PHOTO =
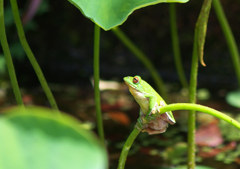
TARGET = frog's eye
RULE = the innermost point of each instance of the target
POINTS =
(135, 80)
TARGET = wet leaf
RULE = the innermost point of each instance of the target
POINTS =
(111, 13)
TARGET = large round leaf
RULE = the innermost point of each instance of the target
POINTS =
(36, 138)
(233, 98)
(110, 13)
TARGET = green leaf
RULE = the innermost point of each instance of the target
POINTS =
(36, 138)
(201, 27)
(233, 98)
(111, 13)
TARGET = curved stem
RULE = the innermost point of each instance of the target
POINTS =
(31, 57)
(229, 37)
(173, 107)
(200, 108)
(144, 59)
(192, 99)
(175, 44)
(96, 82)
(126, 148)
(8, 57)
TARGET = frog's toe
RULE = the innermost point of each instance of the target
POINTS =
(150, 118)
(162, 103)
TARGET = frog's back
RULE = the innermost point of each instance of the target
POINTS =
(149, 89)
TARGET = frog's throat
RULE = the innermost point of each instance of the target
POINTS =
(136, 93)
(132, 88)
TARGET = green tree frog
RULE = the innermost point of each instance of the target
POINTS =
(149, 101)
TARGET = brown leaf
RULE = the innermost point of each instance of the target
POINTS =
(209, 135)
(216, 151)
(119, 117)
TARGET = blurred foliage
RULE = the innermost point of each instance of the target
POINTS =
(233, 98)
(38, 138)
(14, 43)
(229, 132)
(229, 156)
(197, 167)
(8, 16)
(2, 64)
(169, 138)
(203, 94)
(176, 154)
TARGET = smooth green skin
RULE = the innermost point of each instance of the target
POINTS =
(111, 13)
(146, 97)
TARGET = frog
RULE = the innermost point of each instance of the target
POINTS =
(150, 102)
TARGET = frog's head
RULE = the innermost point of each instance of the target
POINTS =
(135, 84)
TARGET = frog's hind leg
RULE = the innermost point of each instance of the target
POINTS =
(142, 123)
(151, 131)
(165, 117)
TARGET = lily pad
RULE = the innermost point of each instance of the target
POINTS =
(233, 98)
(37, 138)
(110, 13)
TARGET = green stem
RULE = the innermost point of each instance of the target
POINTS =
(144, 59)
(31, 57)
(96, 82)
(192, 99)
(229, 37)
(8, 57)
(200, 108)
(173, 107)
(126, 148)
(175, 44)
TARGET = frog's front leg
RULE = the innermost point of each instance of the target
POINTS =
(162, 103)
(145, 117)
(153, 107)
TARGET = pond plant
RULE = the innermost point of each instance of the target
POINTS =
(23, 125)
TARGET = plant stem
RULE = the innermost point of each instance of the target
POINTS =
(173, 107)
(126, 148)
(229, 37)
(144, 59)
(31, 57)
(175, 44)
(199, 108)
(192, 99)
(96, 82)
(8, 57)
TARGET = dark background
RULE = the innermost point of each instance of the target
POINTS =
(62, 40)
